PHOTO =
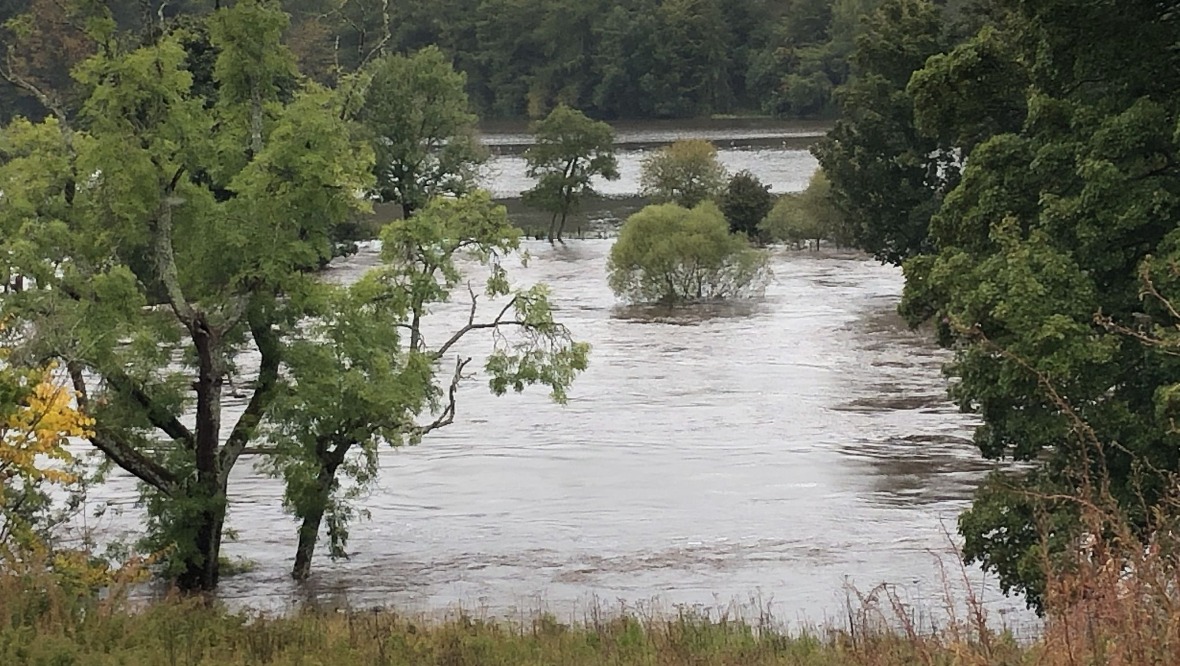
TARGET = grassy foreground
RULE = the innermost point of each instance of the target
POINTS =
(1120, 621)
(189, 633)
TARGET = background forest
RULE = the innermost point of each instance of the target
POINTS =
(629, 59)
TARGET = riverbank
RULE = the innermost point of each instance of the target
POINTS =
(40, 625)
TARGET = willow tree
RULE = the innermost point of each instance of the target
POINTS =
(160, 235)
(669, 254)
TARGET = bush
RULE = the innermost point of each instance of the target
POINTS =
(670, 254)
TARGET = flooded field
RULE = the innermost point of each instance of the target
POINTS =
(777, 451)
(773, 455)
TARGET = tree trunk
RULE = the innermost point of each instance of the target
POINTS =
(552, 226)
(561, 227)
(309, 529)
(202, 570)
(407, 210)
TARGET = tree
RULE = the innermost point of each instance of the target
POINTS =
(423, 133)
(669, 254)
(745, 203)
(162, 236)
(365, 370)
(36, 418)
(569, 151)
(686, 173)
(810, 215)
(886, 176)
(1053, 260)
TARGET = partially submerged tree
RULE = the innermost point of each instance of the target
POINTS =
(685, 173)
(745, 203)
(366, 369)
(570, 150)
(669, 254)
(161, 235)
(811, 215)
(423, 132)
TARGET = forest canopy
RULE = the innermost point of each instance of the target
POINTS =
(522, 58)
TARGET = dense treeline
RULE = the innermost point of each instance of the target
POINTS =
(611, 59)
(1026, 175)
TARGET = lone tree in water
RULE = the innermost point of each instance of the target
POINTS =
(669, 254)
(569, 151)
(366, 368)
(684, 173)
(423, 132)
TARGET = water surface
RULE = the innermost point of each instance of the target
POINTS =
(781, 450)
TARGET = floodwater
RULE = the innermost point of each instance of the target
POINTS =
(777, 154)
(776, 455)
(781, 451)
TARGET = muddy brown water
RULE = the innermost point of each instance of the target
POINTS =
(778, 455)
(773, 454)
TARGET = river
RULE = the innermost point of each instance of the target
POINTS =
(775, 456)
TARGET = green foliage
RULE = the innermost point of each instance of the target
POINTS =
(522, 58)
(423, 133)
(362, 372)
(686, 173)
(669, 254)
(1049, 267)
(569, 151)
(811, 215)
(745, 203)
(886, 176)
(159, 237)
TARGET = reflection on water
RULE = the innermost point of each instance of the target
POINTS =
(777, 450)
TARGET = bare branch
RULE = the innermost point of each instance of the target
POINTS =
(264, 391)
(447, 417)
(133, 461)
(472, 326)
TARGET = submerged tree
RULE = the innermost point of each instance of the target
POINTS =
(366, 369)
(670, 254)
(684, 173)
(810, 215)
(423, 132)
(570, 150)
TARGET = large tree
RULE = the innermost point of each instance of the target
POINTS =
(570, 150)
(159, 234)
(1048, 262)
(886, 175)
(423, 132)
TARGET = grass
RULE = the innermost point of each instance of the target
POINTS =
(1109, 607)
